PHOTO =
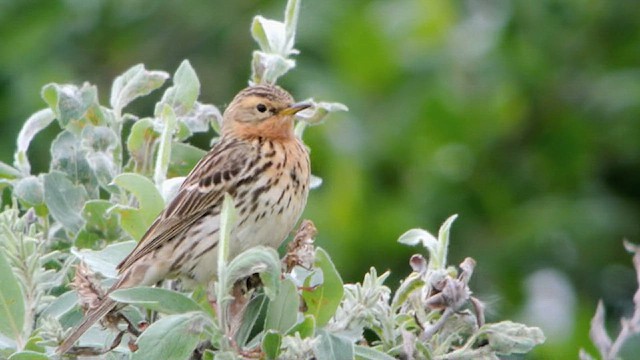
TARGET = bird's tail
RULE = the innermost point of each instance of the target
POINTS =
(94, 315)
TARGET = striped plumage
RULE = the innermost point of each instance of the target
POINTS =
(260, 163)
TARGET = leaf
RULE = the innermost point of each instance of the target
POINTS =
(99, 220)
(164, 150)
(139, 142)
(8, 172)
(134, 83)
(156, 299)
(598, 331)
(104, 169)
(267, 68)
(61, 305)
(64, 200)
(31, 127)
(11, 302)
(184, 158)
(258, 259)
(412, 283)
(369, 353)
(201, 117)
(249, 319)
(414, 237)
(271, 343)
(306, 328)
(28, 355)
(30, 190)
(291, 14)
(182, 96)
(105, 260)
(270, 35)
(149, 199)
(319, 111)
(68, 156)
(323, 300)
(507, 337)
(171, 337)
(439, 260)
(70, 103)
(332, 347)
(282, 312)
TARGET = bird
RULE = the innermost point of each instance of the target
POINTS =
(260, 163)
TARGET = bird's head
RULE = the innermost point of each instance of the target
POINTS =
(262, 110)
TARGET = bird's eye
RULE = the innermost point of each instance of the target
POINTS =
(261, 107)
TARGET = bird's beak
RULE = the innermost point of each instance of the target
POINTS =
(295, 108)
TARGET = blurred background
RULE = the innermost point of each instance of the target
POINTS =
(520, 116)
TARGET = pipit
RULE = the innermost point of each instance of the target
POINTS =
(260, 163)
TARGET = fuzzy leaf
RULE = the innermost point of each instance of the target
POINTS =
(28, 355)
(323, 300)
(259, 259)
(249, 318)
(134, 83)
(171, 337)
(11, 302)
(271, 343)
(270, 35)
(30, 190)
(149, 199)
(157, 299)
(8, 172)
(70, 104)
(414, 237)
(201, 117)
(98, 139)
(282, 312)
(507, 337)
(319, 111)
(68, 156)
(168, 118)
(105, 261)
(182, 96)
(61, 305)
(267, 68)
(64, 200)
(31, 127)
(369, 353)
(332, 347)
(142, 134)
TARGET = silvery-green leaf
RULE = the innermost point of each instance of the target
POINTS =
(267, 68)
(259, 259)
(316, 114)
(169, 188)
(315, 182)
(30, 190)
(201, 117)
(158, 299)
(507, 337)
(369, 353)
(291, 14)
(282, 312)
(270, 35)
(103, 167)
(253, 310)
(61, 305)
(171, 337)
(139, 142)
(332, 347)
(598, 331)
(31, 127)
(98, 139)
(135, 82)
(439, 260)
(182, 96)
(11, 302)
(68, 156)
(64, 200)
(414, 237)
(105, 261)
(68, 102)
(9, 172)
(164, 150)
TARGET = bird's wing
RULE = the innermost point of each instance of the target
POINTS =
(215, 174)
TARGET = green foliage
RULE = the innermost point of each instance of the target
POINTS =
(102, 193)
